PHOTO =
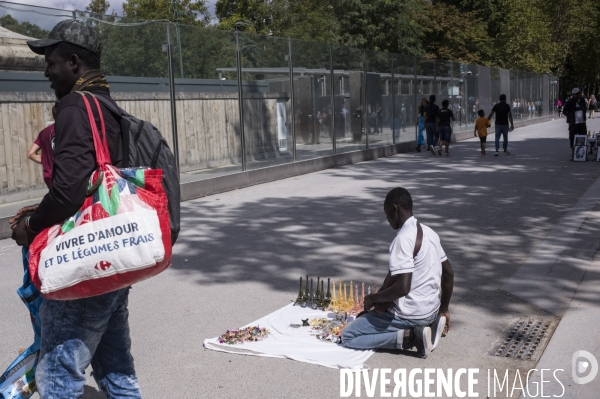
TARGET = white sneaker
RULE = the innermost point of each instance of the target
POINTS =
(437, 328)
(506, 152)
(423, 341)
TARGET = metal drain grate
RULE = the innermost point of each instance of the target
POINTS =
(524, 339)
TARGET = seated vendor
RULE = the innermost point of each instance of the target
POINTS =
(411, 308)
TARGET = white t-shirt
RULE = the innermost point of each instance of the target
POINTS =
(423, 300)
(578, 113)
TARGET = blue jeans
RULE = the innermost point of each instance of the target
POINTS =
(445, 133)
(502, 130)
(432, 134)
(76, 333)
(384, 331)
(421, 139)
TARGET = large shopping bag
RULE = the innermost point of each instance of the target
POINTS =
(18, 381)
(121, 234)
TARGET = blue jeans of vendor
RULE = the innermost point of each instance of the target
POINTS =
(375, 330)
(81, 332)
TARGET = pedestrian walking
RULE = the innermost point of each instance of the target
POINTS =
(575, 110)
(503, 117)
(95, 330)
(481, 125)
(431, 128)
(592, 107)
(42, 152)
(421, 128)
(444, 118)
(559, 105)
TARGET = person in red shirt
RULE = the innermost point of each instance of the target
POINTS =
(42, 151)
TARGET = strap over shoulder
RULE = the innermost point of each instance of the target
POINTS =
(419, 240)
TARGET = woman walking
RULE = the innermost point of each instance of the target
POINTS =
(592, 106)
(421, 128)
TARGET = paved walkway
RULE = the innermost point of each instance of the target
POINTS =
(240, 255)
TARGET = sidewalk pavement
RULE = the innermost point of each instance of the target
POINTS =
(241, 253)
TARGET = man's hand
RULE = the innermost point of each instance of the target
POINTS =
(21, 211)
(20, 233)
(382, 307)
(447, 327)
(367, 304)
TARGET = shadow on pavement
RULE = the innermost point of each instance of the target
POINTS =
(490, 212)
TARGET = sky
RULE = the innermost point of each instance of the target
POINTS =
(80, 5)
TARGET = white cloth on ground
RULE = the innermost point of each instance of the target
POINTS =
(295, 343)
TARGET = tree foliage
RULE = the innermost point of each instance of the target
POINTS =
(98, 7)
(189, 12)
(24, 28)
(452, 34)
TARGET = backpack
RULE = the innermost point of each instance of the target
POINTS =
(144, 145)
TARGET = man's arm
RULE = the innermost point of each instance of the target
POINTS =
(447, 286)
(512, 126)
(490, 115)
(398, 286)
(34, 153)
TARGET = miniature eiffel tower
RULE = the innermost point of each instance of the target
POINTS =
(322, 297)
(305, 297)
(311, 298)
(299, 300)
(318, 293)
(328, 295)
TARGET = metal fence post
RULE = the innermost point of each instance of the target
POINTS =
(393, 104)
(365, 121)
(172, 97)
(332, 77)
(292, 99)
(240, 98)
(416, 104)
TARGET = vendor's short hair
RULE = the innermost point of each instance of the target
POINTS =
(66, 50)
(399, 196)
(481, 112)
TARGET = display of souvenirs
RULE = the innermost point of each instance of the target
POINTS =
(344, 300)
(248, 334)
(328, 329)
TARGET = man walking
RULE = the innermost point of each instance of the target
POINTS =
(503, 116)
(575, 110)
(431, 128)
(94, 330)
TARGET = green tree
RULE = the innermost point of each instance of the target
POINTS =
(245, 15)
(98, 7)
(24, 28)
(455, 34)
(382, 25)
(190, 12)
(525, 42)
(310, 20)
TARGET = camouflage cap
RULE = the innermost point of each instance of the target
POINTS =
(71, 31)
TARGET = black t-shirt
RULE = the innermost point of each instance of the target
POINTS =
(501, 110)
(432, 111)
(445, 116)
